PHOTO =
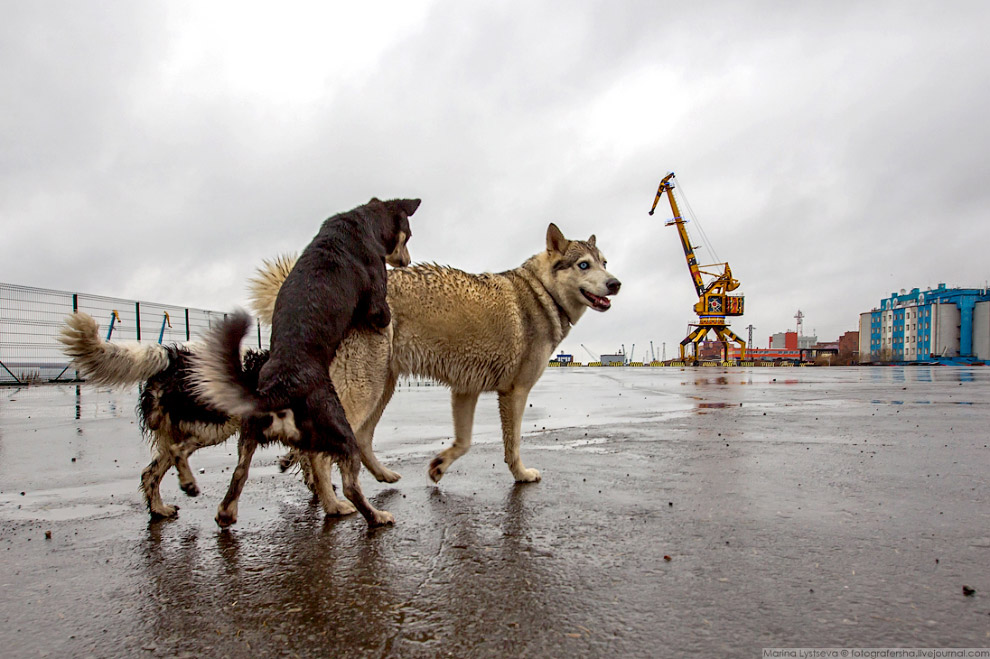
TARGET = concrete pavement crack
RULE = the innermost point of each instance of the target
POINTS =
(401, 622)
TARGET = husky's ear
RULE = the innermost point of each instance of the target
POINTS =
(555, 240)
(591, 241)
(409, 206)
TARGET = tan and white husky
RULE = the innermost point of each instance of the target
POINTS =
(478, 333)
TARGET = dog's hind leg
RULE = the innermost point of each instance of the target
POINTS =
(297, 457)
(350, 467)
(329, 416)
(382, 474)
(187, 482)
(151, 481)
(205, 435)
(365, 432)
(246, 446)
(365, 384)
(511, 405)
(319, 469)
(463, 405)
(288, 459)
(180, 451)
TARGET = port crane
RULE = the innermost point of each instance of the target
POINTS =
(627, 357)
(714, 302)
(593, 357)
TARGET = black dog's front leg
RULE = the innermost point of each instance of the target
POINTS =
(379, 316)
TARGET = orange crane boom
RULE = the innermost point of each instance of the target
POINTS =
(714, 302)
(692, 261)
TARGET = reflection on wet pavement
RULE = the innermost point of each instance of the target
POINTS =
(792, 508)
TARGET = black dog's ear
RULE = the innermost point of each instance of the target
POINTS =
(375, 200)
(409, 206)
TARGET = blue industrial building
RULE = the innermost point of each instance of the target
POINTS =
(931, 325)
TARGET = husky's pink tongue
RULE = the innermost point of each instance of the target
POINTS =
(598, 303)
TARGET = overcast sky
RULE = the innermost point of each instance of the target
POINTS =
(833, 152)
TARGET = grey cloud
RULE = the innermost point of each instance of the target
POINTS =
(832, 154)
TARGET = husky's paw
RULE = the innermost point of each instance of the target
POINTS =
(388, 476)
(437, 468)
(380, 518)
(340, 509)
(226, 518)
(527, 476)
(287, 461)
(164, 512)
(191, 489)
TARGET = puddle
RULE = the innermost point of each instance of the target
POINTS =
(65, 514)
(593, 445)
(924, 402)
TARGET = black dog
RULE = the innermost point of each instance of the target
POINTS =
(338, 282)
(175, 421)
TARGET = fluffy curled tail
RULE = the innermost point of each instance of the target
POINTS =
(101, 362)
(265, 284)
(218, 376)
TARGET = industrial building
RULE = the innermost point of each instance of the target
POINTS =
(791, 341)
(789, 346)
(931, 325)
(712, 350)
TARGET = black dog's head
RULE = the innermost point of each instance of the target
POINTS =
(395, 228)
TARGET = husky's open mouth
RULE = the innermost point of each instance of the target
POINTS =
(598, 303)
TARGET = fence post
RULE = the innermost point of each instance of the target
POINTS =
(137, 324)
(2, 365)
(187, 324)
(75, 310)
(258, 322)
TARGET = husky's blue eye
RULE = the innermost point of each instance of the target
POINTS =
(584, 265)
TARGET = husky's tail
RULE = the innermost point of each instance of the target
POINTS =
(109, 363)
(218, 376)
(264, 286)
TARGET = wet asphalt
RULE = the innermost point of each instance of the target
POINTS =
(698, 512)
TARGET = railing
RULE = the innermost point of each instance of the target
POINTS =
(30, 320)
(678, 364)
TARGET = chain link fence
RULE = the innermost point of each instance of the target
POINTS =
(30, 320)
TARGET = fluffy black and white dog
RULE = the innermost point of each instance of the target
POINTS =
(338, 283)
(175, 422)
